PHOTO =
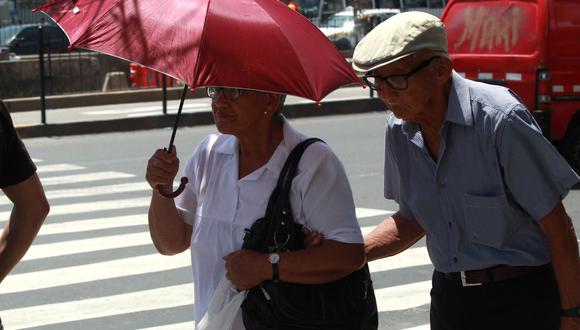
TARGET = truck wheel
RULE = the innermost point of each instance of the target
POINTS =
(572, 147)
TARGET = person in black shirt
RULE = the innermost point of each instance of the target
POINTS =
(20, 183)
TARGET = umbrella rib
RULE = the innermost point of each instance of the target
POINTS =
(195, 72)
(310, 83)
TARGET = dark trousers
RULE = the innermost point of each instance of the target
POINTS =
(530, 302)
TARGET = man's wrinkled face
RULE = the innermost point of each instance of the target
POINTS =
(409, 102)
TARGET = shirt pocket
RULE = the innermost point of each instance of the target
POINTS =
(489, 220)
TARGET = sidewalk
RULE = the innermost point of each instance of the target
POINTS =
(196, 111)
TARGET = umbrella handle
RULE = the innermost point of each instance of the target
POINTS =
(184, 179)
(176, 193)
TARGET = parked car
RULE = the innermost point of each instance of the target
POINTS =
(529, 46)
(345, 31)
(23, 39)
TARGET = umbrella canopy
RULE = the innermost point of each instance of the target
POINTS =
(252, 44)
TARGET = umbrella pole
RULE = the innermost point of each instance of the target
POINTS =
(183, 179)
(185, 88)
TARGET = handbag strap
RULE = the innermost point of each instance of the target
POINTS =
(289, 170)
(279, 202)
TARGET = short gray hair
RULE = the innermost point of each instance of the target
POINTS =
(282, 100)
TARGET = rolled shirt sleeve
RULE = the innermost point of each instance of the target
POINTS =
(15, 163)
(535, 173)
(187, 201)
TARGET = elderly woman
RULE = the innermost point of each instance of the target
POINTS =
(231, 176)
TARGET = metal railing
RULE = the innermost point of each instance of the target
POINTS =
(19, 12)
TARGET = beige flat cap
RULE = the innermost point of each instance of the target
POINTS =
(397, 37)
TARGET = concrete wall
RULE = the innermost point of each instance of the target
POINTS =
(91, 99)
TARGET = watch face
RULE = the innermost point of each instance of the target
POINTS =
(274, 258)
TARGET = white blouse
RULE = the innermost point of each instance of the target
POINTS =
(220, 206)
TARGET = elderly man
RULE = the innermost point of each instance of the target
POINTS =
(469, 167)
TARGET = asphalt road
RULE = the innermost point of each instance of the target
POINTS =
(93, 266)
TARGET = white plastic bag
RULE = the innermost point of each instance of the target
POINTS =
(223, 307)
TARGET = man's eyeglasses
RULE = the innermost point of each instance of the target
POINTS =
(397, 81)
(230, 94)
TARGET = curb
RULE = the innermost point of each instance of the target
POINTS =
(329, 108)
(92, 99)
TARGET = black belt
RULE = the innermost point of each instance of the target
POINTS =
(492, 274)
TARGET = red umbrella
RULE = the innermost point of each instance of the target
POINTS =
(252, 44)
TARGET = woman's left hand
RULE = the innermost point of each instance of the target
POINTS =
(247, 268)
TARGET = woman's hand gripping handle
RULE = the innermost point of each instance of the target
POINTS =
(161, 171)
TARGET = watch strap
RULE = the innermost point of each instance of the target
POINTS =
(275, 271)
(571, 312)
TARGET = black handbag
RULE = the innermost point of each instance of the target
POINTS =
(346, 304)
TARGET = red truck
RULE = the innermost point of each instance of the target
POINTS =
(529, 46)
(143, 77)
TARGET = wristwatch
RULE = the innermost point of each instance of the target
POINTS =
(274, 259)
(571, 312)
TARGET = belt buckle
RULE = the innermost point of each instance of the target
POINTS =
(464, 280)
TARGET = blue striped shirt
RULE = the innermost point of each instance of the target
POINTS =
(495, 177)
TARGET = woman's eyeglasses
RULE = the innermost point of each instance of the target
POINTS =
(230, 94)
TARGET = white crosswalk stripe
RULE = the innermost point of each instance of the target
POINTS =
(409, 258)
(59, 168)
(40, 251)
(92, 272)
(76, 208)
(93, 224)
(77, 227)
(34, 316)
(91, 177)
(175, 326)
(403, 296)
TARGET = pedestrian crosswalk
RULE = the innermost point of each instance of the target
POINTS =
(93, 266)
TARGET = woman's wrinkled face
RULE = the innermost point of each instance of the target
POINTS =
(242, 115)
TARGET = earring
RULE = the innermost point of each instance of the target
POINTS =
(265, 113)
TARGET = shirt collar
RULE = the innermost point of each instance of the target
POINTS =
(459, 104)
(290, 139)
(228, 146)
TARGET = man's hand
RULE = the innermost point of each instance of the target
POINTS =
(247, 268)
(312, 238)
(395, 234)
